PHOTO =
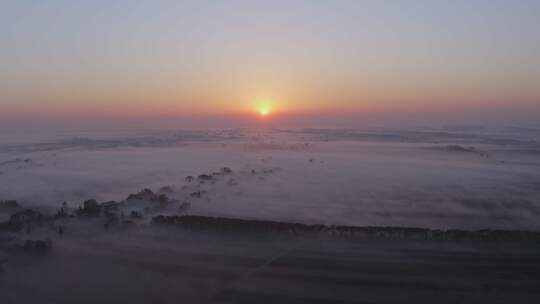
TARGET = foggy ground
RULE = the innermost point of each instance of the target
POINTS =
(154, 264)
(435, 178)
(441, 179)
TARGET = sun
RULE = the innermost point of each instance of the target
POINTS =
(264, 107)
(264, 111)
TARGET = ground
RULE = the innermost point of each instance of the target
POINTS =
(152, 264)
(438, 179)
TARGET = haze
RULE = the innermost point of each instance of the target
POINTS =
(319, 63)
(277, 151)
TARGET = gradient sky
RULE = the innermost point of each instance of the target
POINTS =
(136, 59)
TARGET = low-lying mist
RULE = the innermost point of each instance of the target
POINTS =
(451, 177)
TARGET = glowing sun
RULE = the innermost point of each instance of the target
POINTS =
(264, 111)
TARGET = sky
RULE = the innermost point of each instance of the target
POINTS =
(316, 62)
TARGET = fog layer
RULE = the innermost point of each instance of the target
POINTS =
(469, 178)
